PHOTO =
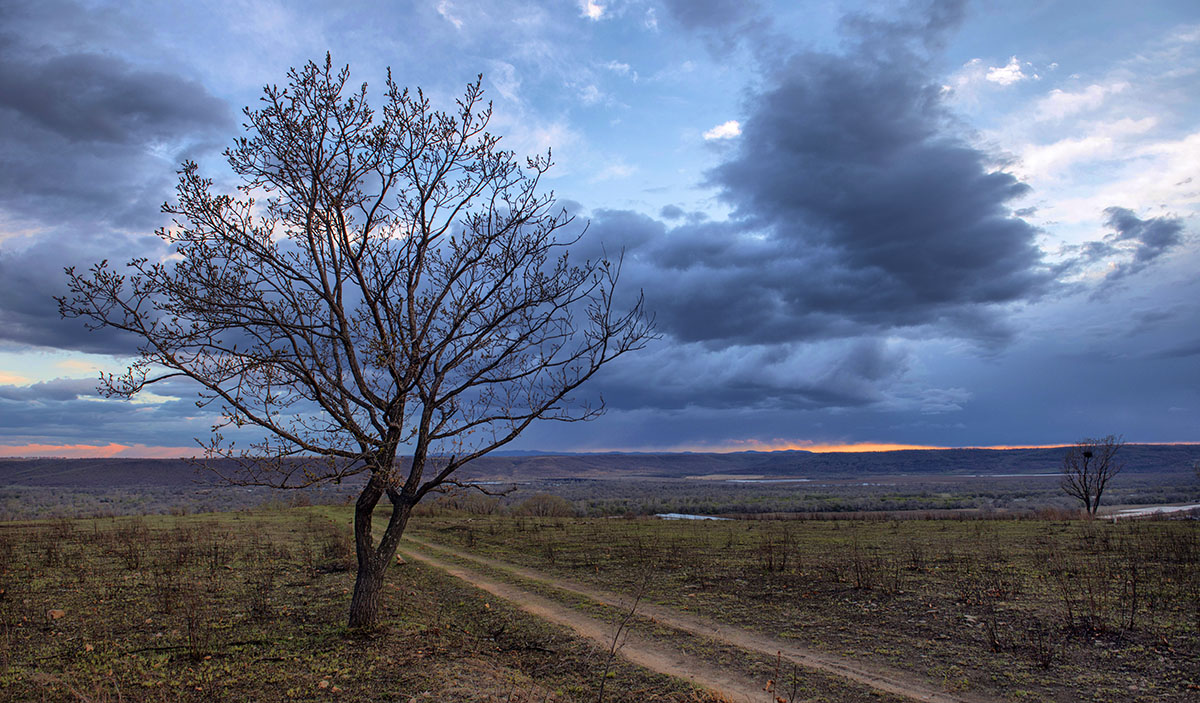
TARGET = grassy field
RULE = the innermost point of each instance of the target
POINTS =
(1011, 609)
(251, 606)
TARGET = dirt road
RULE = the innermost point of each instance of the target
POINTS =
(659, 658)
(637, 649)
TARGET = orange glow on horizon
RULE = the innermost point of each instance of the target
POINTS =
(754, 445)
(142, 451)
(885, 447)
(817, 448)
(94, 451)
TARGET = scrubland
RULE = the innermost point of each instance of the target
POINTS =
(1031, 609)
(251, 606)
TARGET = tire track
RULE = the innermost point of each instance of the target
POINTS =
(879, 677)
(635, 648)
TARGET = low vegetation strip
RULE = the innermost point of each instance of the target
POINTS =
(233, 607)
(634, 648)
(877, 677)
(1049, 610)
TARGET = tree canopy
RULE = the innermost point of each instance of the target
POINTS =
(382, 283)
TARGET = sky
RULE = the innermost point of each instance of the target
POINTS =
(857, 223)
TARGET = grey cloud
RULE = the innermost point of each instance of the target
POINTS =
(1151, 238)
(70, 410)
(856, 210)
(95, 98)
(858, 214)
(77, 132)
(923, 24)
(90, 145)
(725, 24)
(1181, 351)
(59, 389)
(671, 212)
(849, 373)
(613, 231)
(852, 157)
(87, 419)
(31, 277)
(711, 14)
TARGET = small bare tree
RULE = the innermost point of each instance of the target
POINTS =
(400, 287)
(1087, 469)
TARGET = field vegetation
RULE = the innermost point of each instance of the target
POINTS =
(602, 497)
(987, 603)
(1032, 609)
(251, 606)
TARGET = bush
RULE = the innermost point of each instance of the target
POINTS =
(545, 505)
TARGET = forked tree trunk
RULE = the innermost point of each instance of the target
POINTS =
(373, 559)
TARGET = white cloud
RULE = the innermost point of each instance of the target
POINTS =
(963, 86)
(1051, 159)
(621, 69)
(1154, 177)
(590, 95)
(529, 135)
(1007, 74)
(1101, 141)
(591, 9)
(504, 79)
(446, 10)
(727, 130)
(613, 172)
(1059, 103)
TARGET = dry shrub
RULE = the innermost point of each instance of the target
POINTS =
(545, 505)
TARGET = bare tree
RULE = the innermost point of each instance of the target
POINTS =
(400, 286)
(1088, 467)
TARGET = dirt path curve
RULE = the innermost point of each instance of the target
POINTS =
(879, 677)
(637, 649)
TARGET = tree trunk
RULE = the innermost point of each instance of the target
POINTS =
(373, 559)
(364, 604)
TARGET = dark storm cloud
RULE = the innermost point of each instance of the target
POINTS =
(856, 207)
(671, 212)
(31, 277)
(60, 389)
(848, 162)
(89, 146)
(858, 214)
(724, 24)
(94, 98)
(71, 410)
(78, 131)
(839, 374)
(1150, 238)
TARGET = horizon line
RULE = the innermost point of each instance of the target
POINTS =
(114, 450)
